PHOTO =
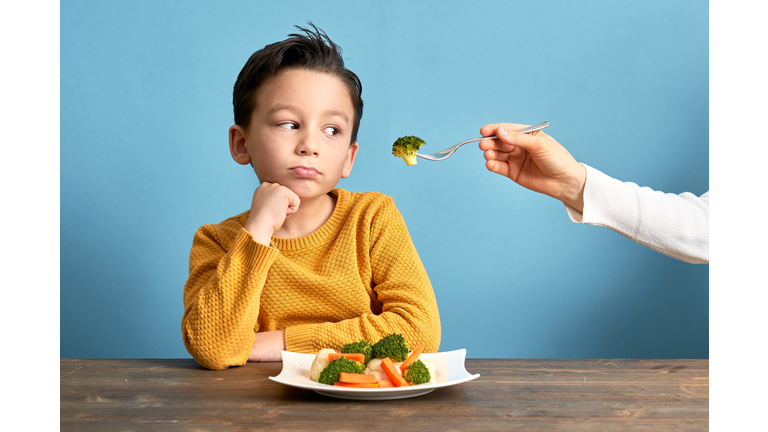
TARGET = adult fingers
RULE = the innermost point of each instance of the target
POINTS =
(503, 130)
(498, 155)
(491, 128)
(494, 144)
(529, 142)
(497, 167)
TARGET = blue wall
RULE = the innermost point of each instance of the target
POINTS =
(146, 104)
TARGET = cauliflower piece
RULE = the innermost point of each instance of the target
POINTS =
(374, 367)
(375, 364)
(320, 363)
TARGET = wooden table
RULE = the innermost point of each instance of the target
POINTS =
(522, 394)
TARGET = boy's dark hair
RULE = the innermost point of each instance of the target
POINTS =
(313, 51)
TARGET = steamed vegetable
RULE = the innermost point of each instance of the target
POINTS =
(391, 371)
(392, 346)
(321, 362)
(356, 385)
(412, 358)
(363, 347)
(333, 371)
(356, 378)
(417, 373)
(352, 356)
(387, 363)
(406, 147)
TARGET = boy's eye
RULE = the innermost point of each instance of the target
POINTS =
(330, 130)
(288, 125)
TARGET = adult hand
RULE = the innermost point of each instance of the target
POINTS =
(535, 161)
(271, 205)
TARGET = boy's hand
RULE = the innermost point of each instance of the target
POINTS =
(534, 161)
(267, 346)
(271, 205)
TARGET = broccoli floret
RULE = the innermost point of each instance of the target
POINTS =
(331, 373)
(362, 347)
(417, 373)
(392, 346)
(406, 148)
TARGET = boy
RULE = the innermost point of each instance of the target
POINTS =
(309, 266)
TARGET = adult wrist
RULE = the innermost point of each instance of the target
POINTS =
(573, 189)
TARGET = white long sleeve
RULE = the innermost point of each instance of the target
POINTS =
(675, 225)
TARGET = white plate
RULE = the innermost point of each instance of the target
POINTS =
(449, 371)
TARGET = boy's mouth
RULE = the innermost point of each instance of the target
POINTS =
(303, 171)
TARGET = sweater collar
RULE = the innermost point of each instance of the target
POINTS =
(328, 228)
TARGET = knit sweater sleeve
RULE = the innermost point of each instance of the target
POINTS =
(222, 296)
(675, 225)
(401, 285)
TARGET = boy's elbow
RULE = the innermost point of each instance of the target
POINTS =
(215, 361)
(211, 357)
(428, 334)
(432, 343)
(431, 330)
(210, 365)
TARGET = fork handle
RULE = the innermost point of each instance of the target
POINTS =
(529, 129)
(534, 128)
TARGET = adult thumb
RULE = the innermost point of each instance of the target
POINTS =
(517, 139)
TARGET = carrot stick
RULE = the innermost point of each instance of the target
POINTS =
(356, 378)
(389, 368)
(356, 385)
(411, 358)
(385, 383)
(352, 356)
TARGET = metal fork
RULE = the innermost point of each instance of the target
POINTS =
(445, 154)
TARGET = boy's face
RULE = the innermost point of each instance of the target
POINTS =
(299, 132)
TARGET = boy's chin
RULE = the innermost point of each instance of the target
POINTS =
(308, 193)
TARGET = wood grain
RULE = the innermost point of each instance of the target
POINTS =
(511, 394)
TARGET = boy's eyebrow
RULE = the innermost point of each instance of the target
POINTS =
(341, 114)
(330, 112)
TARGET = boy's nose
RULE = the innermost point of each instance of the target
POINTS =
(308, 145)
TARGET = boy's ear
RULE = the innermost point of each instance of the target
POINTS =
(351, 153)
(237, 147)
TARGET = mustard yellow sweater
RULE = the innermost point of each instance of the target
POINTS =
(358, 277)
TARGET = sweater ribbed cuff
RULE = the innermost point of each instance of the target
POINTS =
(299, 338)
(575, 215)
(253, 255)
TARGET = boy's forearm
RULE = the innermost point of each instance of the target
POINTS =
(267, 346)
(222, 297)
(260, 233)
(402, 286)
(418, 328)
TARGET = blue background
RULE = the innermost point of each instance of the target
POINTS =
(146, 91)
